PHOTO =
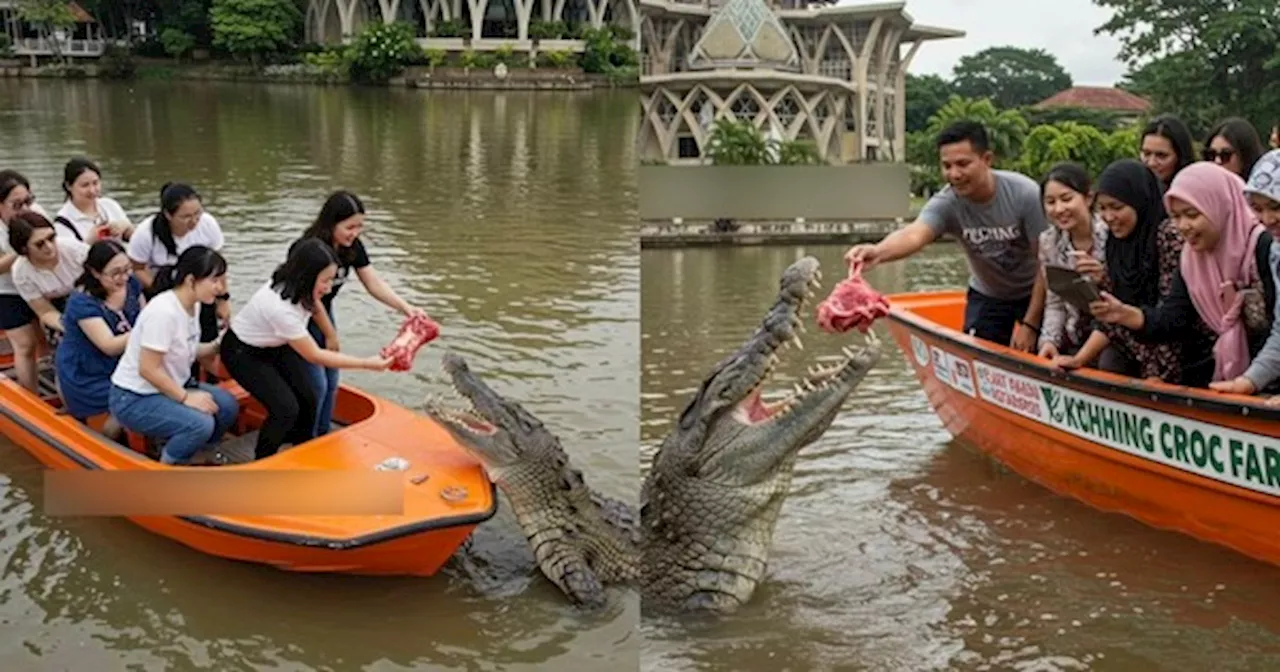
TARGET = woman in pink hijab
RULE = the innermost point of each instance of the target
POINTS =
(1225, 274)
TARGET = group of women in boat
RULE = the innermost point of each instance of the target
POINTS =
(1186, 255)
(136, 313)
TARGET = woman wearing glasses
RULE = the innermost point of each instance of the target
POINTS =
(96, 323)
(1235, 145)
(17, 320)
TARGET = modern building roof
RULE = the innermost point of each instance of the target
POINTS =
(744, 33)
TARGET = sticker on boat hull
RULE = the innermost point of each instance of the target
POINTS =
(955, 372)
(920, 351)
(1243, 459)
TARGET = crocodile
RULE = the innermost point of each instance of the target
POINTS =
(582, 540)
(711, 500)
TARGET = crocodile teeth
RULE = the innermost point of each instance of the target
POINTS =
(799, 345)
(848, 352)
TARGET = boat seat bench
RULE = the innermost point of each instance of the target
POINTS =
(138, 442)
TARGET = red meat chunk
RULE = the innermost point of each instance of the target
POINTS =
(852, 304)
(416, 332)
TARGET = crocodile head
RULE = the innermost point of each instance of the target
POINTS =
(580, 539)
(712, 496)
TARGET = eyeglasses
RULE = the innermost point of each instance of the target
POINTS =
(24, 203)
(118, 272)
(1219, 155)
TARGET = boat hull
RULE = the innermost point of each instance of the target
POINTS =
(1185, 460)
(417, 543)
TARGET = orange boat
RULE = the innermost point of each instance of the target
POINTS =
(446, 491)
(1190, 460)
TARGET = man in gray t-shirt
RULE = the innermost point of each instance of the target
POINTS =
(997, 216)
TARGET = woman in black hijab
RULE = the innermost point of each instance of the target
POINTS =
(1142, 260)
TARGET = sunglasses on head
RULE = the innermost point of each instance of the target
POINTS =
(1221, 155)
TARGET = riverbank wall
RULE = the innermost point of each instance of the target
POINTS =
(420, 77)
(707, 205)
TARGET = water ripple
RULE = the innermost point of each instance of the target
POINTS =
(900, 550)
(509, 217)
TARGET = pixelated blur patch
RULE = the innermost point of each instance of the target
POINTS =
(223, 492)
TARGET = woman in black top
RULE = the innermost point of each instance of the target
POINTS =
(340, 222)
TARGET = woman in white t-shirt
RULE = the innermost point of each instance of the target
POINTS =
(17, 320)
(269, 351)
(180, 223)
(152, 390)
(47, 267)
(87, 215)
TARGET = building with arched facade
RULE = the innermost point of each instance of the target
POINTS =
(830, 75)
(478, 25)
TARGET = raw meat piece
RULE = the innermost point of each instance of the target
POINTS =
(852, 304)
(416, 332)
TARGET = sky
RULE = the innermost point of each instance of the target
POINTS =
(1063, 28)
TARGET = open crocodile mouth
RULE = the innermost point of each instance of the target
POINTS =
(463, 416)
(753, 409)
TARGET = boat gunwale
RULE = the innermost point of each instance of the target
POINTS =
(1161, 393)
(241, 530)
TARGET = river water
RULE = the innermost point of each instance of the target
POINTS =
(899, 549)
(509, 217)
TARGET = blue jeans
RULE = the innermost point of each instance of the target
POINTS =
(186, 429)
(324, 380)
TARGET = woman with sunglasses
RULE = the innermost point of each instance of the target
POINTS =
(97, 320)
(1235, 145)
(47, 268)
(17, 321)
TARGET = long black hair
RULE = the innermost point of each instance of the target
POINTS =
(10, 180)
(295, 279)
(198, 261)
(339, 206)
(1068, 173)
(100, 254)
(1243, 137)
(1172, 129)
(76, 167)
(172, 196)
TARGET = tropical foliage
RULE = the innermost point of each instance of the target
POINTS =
(739, 143)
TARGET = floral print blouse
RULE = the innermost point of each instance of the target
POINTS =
(1063, 325)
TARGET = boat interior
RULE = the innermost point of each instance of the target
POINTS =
(236, 447)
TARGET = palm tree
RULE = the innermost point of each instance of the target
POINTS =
(1007, 129)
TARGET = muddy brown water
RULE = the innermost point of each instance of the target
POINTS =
(899, 549)
(510, 217)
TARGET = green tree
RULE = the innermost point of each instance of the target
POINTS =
(739, 143)
(1201, 58)
(1010, 76)
(925, 94)
(1066, 141)
(1006, 129)
(48, 16)
(254, 28)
